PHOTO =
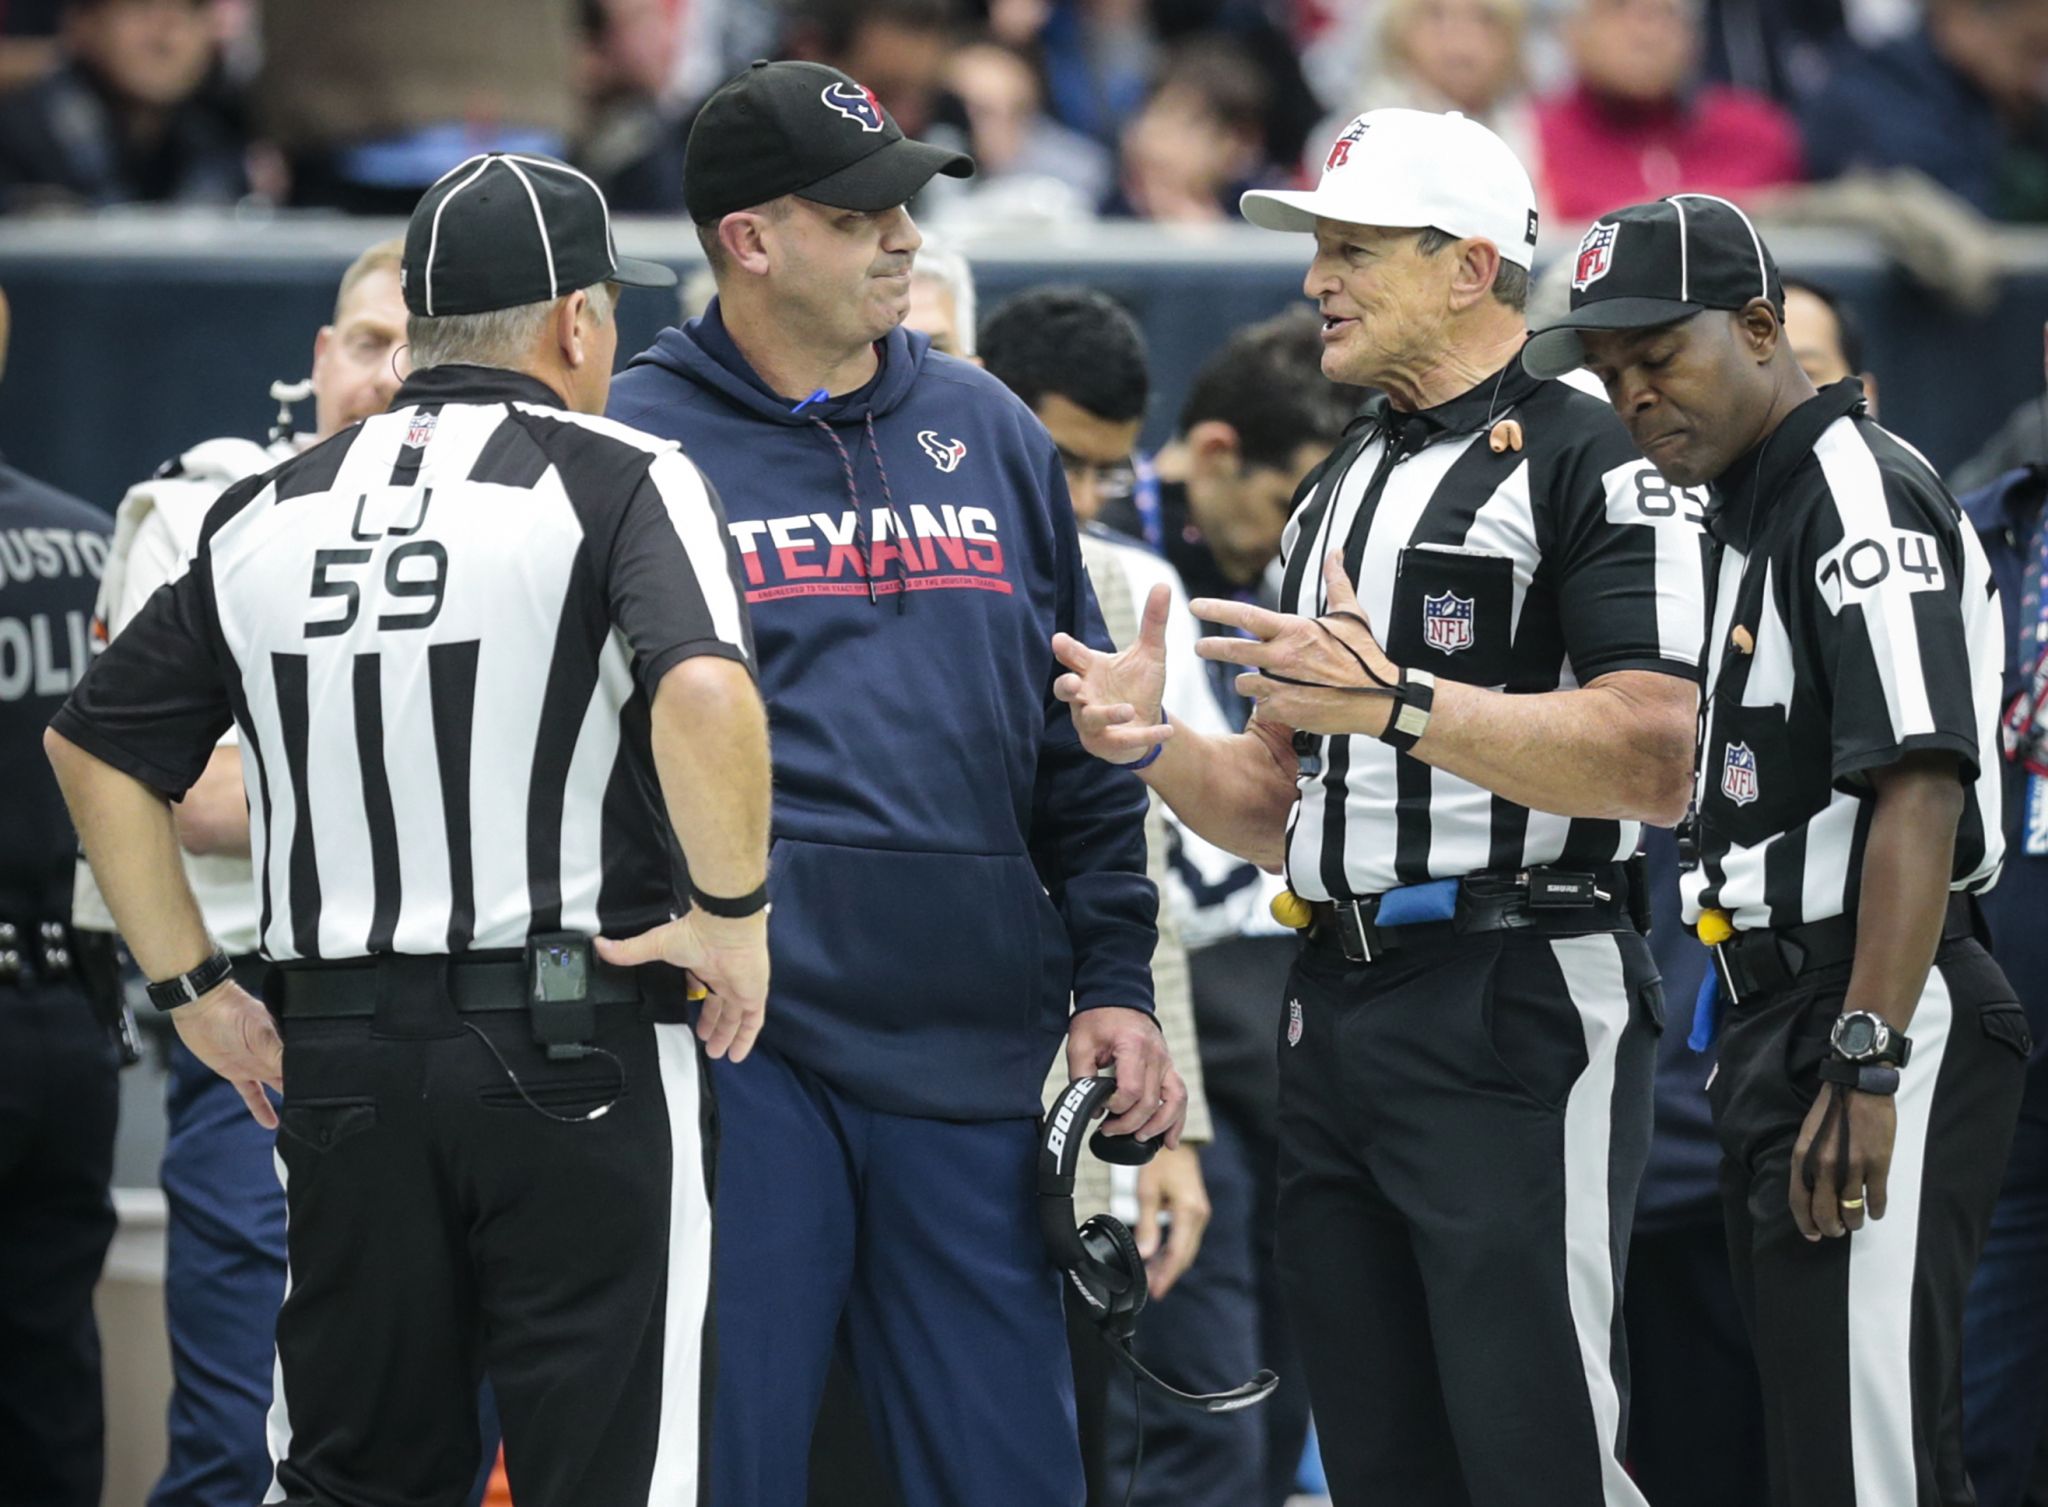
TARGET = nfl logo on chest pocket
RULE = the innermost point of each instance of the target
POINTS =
(1738, 774)
(1447, 622)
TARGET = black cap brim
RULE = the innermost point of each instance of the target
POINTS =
(1556, 348)
(634, 273)
(887, 177)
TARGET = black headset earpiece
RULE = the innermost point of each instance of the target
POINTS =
(1100, 1258)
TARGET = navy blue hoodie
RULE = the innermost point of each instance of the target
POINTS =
(950, 867)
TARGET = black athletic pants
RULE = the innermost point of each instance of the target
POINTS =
(59, 1099)
(441, 1228)
(1462, 1128)
(1858, 1339)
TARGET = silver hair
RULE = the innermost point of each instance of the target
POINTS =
(498, 337)
(951, 271)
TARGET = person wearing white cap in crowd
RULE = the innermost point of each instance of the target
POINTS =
(1480, 683)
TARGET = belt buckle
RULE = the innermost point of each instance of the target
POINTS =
(1358, 937)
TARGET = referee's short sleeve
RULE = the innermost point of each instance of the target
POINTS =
(1875, 583)
(155, 703)
(1628, 562)
(673, 583)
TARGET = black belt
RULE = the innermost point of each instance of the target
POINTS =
(1544, 900)
(476, 983)
(1758, 962)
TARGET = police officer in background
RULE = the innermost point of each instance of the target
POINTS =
(510, 630)
(58, 1090)
(1481, 681)
(1846, 816)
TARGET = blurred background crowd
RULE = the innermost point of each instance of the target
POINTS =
(1159, 110)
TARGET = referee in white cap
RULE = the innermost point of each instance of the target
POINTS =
(1481, 681)
(488, 661)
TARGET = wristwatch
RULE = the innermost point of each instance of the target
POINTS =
(168, 994)
(1863, 1038)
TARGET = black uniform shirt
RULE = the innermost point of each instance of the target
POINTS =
(52, 550)
(1853, 623)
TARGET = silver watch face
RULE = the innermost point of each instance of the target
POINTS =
(1859, 1036)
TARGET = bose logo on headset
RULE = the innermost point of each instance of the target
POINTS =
(1063, 1121)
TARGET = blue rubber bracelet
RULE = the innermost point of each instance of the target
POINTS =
(1151, 758)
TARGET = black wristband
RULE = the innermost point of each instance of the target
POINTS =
(1863, 1077)
(168, 994)
(1412, 707)
(738, 909)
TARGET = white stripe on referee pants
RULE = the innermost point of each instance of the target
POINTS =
(678, 1448)
(278, 1425)
(1882, 1256)
(1593, 973)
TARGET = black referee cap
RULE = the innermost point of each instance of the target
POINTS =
(803, 128)
(1653, 264)
(505, 229)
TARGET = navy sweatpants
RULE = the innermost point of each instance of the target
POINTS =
(924, 1234)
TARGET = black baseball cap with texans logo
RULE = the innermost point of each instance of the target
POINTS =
(803, 128)
(506, 229)
(1655, 264)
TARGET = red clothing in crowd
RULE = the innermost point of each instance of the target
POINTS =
(1599, 154)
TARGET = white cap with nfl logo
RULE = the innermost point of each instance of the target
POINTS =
(1408, 169)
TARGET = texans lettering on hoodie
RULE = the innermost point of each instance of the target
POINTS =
(947, 548)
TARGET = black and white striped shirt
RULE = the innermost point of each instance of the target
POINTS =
(439, 633)
(1853, 622)
(1525, 570)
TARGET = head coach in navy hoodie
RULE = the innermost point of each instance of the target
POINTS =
(951, 871)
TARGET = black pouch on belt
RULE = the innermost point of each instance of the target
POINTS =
(97, 957)
(559, 997)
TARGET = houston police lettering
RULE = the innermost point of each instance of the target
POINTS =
(821, 554)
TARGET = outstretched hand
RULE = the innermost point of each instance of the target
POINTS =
(1116, 697)
(1303, 672)
(727, 958)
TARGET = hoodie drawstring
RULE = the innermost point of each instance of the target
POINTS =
(859, 523)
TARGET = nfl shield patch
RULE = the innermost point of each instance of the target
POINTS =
(1447, 622)
(422, 429)
(1294, 1022)
(1738, 774)
(1596, 256)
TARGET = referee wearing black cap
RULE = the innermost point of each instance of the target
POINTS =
(1871, 1052)
(487, 658)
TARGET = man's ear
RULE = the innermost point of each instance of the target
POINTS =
(1215, 448)
(1478, 263)
(1760, 328)
(1869, 381)
(744, 235)
(569, 336)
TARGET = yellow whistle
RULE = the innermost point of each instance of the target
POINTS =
(696, 991)
(1714, 927)
(1291, 911)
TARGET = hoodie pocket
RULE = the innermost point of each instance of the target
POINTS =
(905, 940)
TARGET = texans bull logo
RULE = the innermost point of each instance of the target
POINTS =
(856, 103)
(945, 454)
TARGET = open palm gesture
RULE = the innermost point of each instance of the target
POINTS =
(1116, 697)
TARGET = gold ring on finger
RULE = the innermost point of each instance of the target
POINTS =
(1852, 1203)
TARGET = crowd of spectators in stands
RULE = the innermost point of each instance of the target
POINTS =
(1154, 109)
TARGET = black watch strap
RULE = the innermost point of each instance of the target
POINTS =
(1411, 710)
(168, 994)
(736, 909)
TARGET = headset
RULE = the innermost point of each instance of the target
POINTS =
(1101, 1257)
